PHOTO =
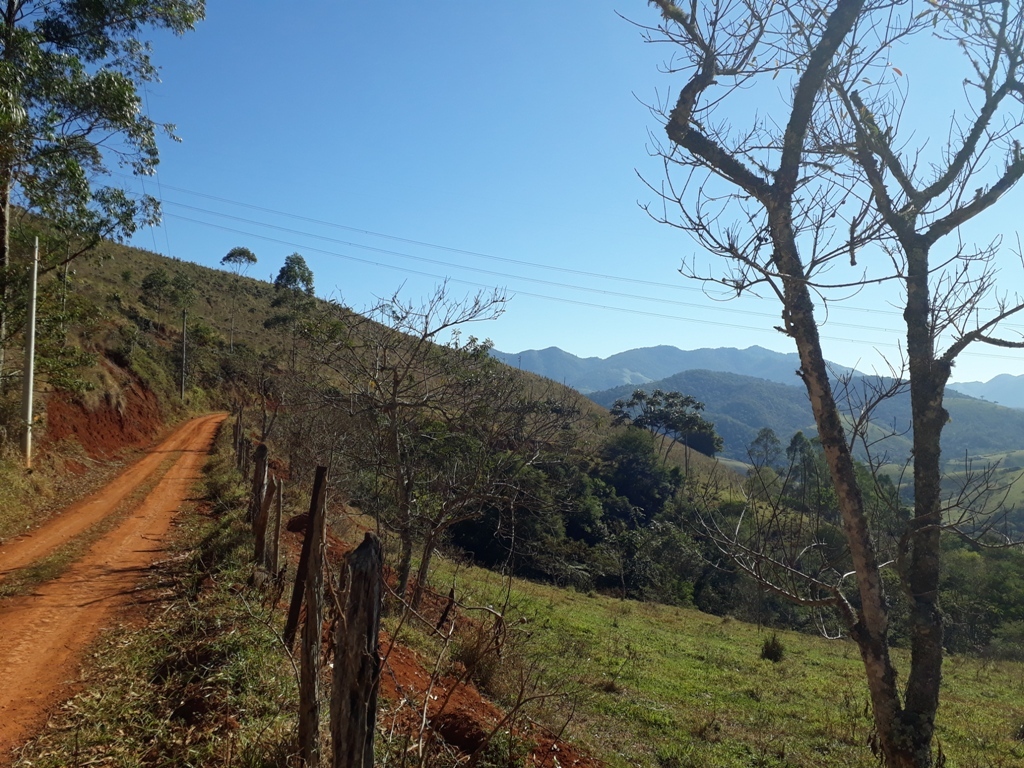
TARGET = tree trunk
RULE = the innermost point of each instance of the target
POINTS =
(921, 573)
(423, 571)
(404, 562)
(869, 627)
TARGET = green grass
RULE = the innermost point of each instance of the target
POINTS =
(670, 687)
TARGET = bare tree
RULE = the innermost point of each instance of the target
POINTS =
(827, 175)
(388, 380)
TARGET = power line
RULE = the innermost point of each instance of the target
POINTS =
(563, 300)
(477, 254)
(424, 244)
(505, 275)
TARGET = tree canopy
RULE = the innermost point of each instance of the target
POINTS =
(295, 276)
(673, 416)
(71, 73)
(239, 259)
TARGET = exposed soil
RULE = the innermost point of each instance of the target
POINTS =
(128, 421)
(62, 527)
(46, 632)
(456, 712)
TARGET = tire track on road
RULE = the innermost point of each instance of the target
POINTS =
(44, 634)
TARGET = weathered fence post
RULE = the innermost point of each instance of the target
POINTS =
(240, 440)
(356, 660)
(260, 524)
(292, 624)
(309, 666)
(273, 555)
(259, 482)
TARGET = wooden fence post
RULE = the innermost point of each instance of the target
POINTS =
(309, 661)
(240, 441)
(260, 524)
(292, 624)
(259, 482)
(356, 660)
(273, 555)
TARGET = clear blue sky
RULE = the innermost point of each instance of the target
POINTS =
(508, 135)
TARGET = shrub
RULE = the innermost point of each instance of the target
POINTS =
(772, 649)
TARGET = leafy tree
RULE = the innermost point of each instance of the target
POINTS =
(293, 288)
(239, 259)
(182, 291)
(672, 416)
(637, 474)
(765, 450)
(70, 74)
(295, 277)
(155, 285)
(828, 174)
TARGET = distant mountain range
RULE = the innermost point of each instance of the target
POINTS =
(745, 390)
(642, 366)
(1003, 389)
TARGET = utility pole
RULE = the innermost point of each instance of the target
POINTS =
(30, 359)
(184, 317)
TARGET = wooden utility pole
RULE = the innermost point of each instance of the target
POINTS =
(28, 374)
(184, 318)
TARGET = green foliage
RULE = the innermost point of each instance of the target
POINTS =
(673, 416)
(772, 649)
(182, 291)
(239, 259)
(154, 287)
(740, 406)
(294, 277)
(636, 474)
(71, 74)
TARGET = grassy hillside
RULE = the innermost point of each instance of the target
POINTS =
(645, 684)
(662, 686)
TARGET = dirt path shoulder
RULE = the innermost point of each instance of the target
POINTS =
(44, 633)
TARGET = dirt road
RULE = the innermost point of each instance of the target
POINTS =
(43, 634)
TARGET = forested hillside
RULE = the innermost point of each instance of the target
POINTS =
(740, 406)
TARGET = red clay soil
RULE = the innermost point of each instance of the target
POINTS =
(456, 711)
(109, 429)
(45, 633)
(64, 526)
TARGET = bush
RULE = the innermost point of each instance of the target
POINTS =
(772, 649)
(1008, 643)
